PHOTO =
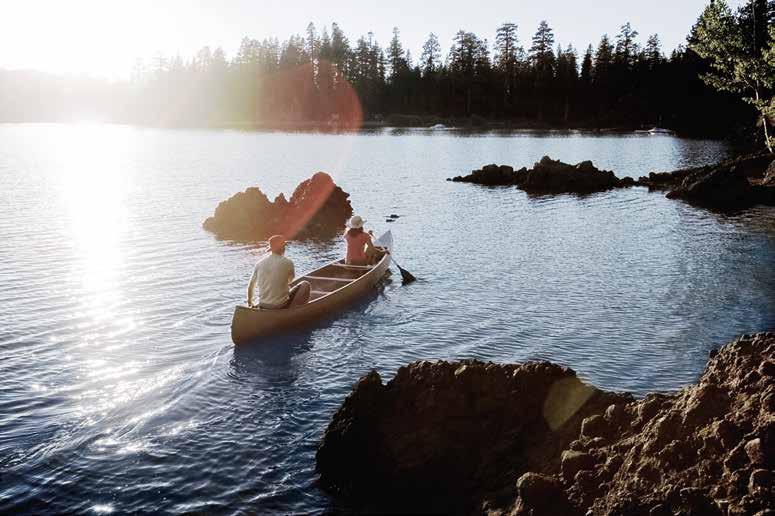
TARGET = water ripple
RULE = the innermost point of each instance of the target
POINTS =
(121, 391)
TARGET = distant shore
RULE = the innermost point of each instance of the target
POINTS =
(474, 123)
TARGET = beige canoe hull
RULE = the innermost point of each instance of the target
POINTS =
(249, 324)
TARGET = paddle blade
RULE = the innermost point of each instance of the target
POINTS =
(406, 276)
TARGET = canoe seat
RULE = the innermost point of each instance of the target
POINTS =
(345, 266)
(324, 278)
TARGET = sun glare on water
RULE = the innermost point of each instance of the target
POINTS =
(94, 184)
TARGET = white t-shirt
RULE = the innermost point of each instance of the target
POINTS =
(273, 274)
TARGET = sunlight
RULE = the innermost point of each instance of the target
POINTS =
(93, 185)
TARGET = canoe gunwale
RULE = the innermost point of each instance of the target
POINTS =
(249, 323)
(317, 299)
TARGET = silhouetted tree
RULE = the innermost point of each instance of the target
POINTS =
(735, 46)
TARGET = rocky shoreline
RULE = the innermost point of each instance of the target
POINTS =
(729, 185)
(473, 437)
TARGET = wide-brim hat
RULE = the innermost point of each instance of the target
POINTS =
(356, 222)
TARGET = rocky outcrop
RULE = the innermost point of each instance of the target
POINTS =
(318, 208)
(710, 449)
(532, 439)
(548, 176)
(769, 175)
(444, 436)
(721, 187)
(733, 184)
(493, 175)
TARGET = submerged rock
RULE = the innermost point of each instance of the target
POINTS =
(532, 439)
(548, 176)
(318, 208)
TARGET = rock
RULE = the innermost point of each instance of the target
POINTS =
(493, 175)
(446, 437)
(767, 368)
(751, 166)
(695, 439)
(541, 495)
(724, 188)
(452, 437)
(769, 175)
(761, 479)
(573, 462)
(550, 176)
(728, 185)
(753, 449)
(318, 208)
(594, 426)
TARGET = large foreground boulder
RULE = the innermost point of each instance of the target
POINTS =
(548, 176)
(441, 436)
(318, 208)
(532, 439)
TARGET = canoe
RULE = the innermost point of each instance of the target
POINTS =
(334, 286)
(659, 130)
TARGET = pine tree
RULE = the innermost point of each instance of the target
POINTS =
(586, 67)
(541, 51)
(395, 56)
(430, 59)
(468, 61)
(507, 57)
(543, 62)
(341, 54)
(506, 48)
(312, 43)
(603, 61)
(653, 52)
(626, 47)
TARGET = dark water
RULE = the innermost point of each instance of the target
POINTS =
(120, 389)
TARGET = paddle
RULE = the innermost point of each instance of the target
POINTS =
(406, 276)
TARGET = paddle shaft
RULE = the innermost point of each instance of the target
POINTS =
(407, 276)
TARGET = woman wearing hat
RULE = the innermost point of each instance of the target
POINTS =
(360, 249)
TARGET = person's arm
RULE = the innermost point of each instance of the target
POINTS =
(291, 273)
(370, 243)
(251, 287)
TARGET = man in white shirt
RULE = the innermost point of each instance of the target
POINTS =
(274, 273)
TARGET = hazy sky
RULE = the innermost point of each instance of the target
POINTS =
(104, 37)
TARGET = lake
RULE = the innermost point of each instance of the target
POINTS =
(120, 389)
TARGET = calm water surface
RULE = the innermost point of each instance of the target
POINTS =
(120, 389)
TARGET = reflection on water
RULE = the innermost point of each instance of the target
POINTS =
(121, 391)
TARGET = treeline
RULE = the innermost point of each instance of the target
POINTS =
(324, 78)
(320, 75)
